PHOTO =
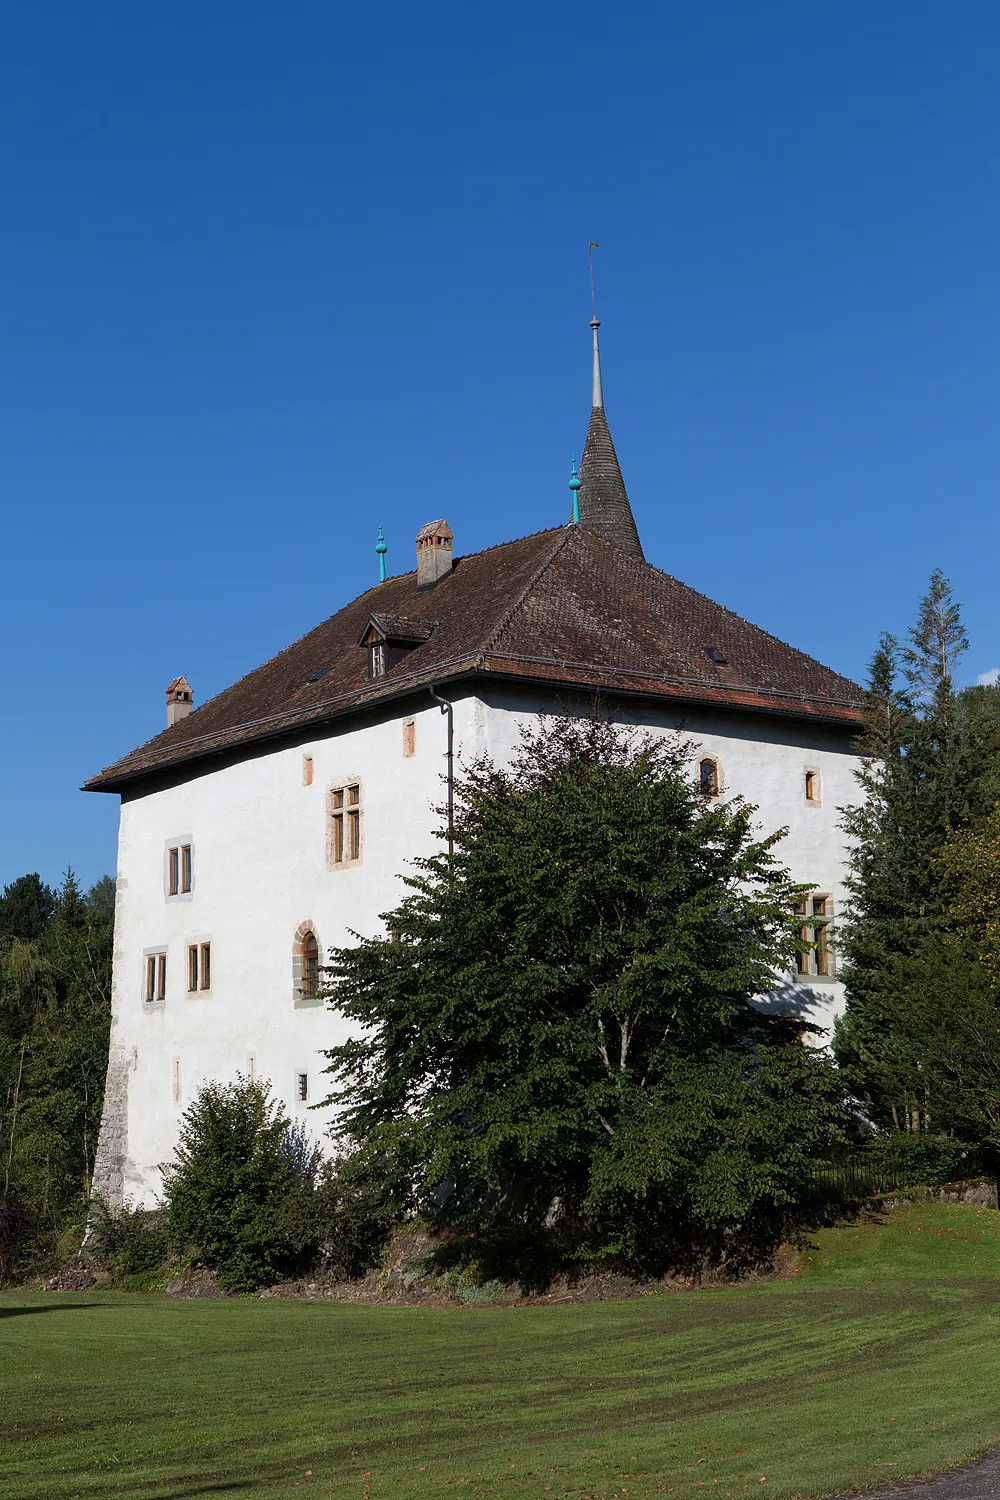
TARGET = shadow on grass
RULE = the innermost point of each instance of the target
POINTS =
(17, 1312)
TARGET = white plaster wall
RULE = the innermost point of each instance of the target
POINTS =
(260, 871)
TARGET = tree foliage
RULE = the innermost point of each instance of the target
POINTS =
(918, 1013)
(55, 1009)
(558, 1024)
(237, 1162)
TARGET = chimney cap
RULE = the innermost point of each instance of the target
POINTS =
(435, 529)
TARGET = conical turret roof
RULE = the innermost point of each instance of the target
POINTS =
(604, 502)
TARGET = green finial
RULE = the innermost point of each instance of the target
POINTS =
(574, 485)
(381, 549)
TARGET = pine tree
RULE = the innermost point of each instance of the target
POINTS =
(921, 780)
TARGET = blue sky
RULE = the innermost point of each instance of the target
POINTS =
(275, 274)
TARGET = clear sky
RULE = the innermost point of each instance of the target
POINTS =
(273, 274)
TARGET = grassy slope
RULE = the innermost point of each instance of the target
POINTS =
(883, 1359)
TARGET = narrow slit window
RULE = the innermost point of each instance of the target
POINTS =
(205, 977)
(193, 967)
(174, 868)
(185, 867)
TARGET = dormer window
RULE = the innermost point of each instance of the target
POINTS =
(389, 639)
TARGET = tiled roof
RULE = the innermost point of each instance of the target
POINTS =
(563, 606)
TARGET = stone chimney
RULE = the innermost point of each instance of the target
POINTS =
(180, 700)
(433, 553)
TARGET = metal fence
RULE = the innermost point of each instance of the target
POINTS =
(862, 1176)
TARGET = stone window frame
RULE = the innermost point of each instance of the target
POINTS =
(179, 844)
(710, 758)
(346, 810)
(816, 963)
(198, 945)
(157, 956)
(301, 1000)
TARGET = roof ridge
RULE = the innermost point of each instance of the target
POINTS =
(565, 532)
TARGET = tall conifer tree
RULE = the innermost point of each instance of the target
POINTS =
(919, 780)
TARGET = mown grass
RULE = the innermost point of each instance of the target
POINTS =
(881, 1360)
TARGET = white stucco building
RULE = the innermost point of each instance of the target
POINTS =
(267, 824)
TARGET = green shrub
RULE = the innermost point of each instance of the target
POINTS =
(18, 1227)
(341, 1219)
(923, 1160)
(130, 1243)
(238, 1163)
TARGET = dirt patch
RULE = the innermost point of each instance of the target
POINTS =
(72, 1279)
(199, 1283)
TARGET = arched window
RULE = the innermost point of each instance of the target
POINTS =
(306, 980)
(708, 777)
(310, 967)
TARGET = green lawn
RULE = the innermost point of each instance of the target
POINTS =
(882, 1360)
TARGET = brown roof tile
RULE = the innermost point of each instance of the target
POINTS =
(561, 606)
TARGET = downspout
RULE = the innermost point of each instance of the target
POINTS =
(448, 708)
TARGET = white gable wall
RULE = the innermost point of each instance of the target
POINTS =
(260, 868)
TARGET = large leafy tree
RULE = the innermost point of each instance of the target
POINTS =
(559, 1020)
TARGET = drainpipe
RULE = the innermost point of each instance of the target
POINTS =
(448, 708)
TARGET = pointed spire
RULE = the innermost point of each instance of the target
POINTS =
(598, 388)
(604, 503)
(574, 488)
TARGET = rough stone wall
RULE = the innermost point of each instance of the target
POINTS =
(112, 1145)
(975, 1190)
